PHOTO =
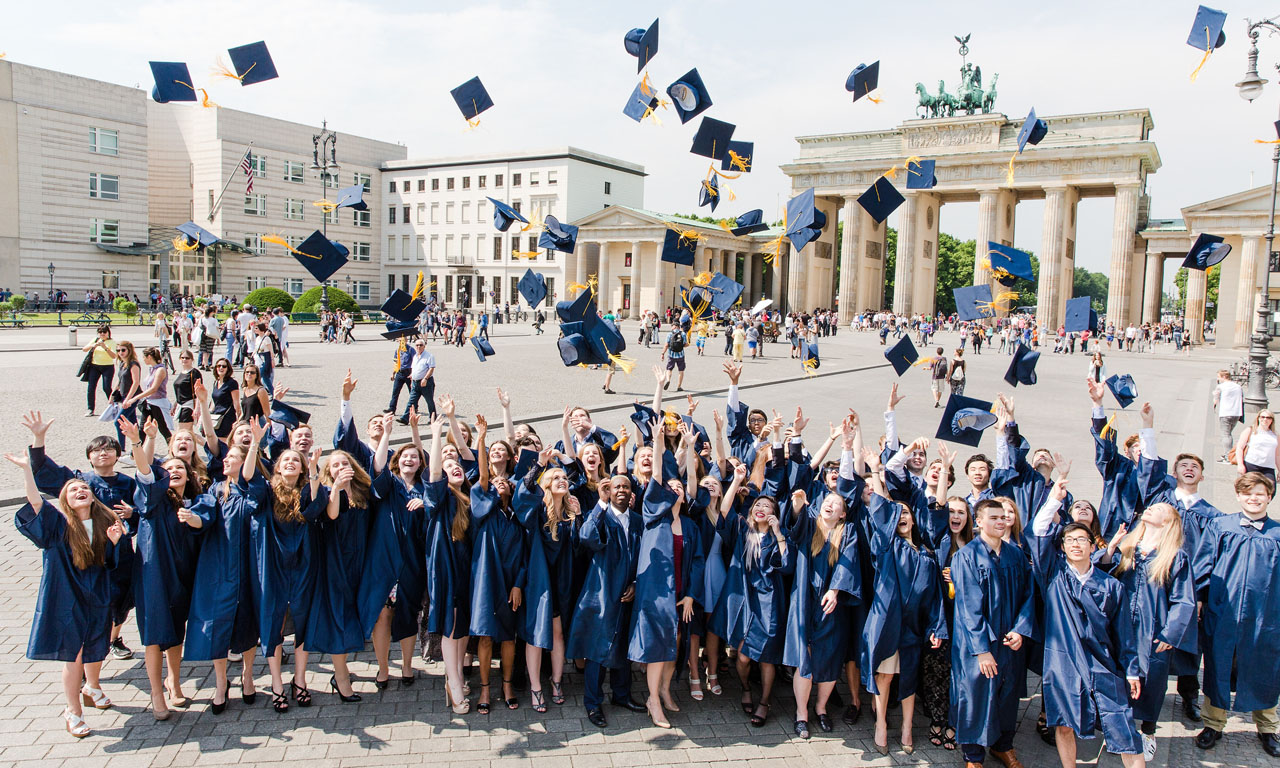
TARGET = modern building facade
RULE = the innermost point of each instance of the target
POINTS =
(436, 218)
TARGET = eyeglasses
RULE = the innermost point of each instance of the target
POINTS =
(1075, 540)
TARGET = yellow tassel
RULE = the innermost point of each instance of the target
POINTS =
(892, 173)
(727, 225)
(951, 591)
(711, 191)
(738, 161)
(997, 272)
(395, 360)
(573, 288)
(1208, 49)
(874, 100)
(471, 329)
(703, 279)
(624, 364)
(535, 222)
(1107, 427)
(1264, 141)
(924, 361)
(1008, 179)
(647, 91)
(810, 368)
(713, 171)
(222, 70)
(646, 88)
(278, 240)
(417, 288)
(180, 244)
(524, 254)
(686, 235)
(204, 95)
(329, 206)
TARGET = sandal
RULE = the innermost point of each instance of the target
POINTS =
(95, 698)
(539, 703)
(279, 701)
(746, 703)
(713, 684)
(557, 693)
(949, 739)
(482, 706)
(696, 695)
(300, 694)
(935, 734)
(513, 702)
(76, 726)
(757, 721)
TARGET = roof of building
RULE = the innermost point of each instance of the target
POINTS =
(551, 153)
(684, 221)
(160, 240)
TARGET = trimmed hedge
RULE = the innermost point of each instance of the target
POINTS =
(268, 297)
(338, 299)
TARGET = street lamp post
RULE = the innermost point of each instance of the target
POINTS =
(1250, 88)
(51, 268)
(325, 142)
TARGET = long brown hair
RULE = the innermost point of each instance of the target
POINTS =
(1167, 547)
(288, 501)
(834, 537)
(84, 552)
(461, 512)
(196, 465)
(966, 531)
(358, 488)
(190, 489)
(127, 355)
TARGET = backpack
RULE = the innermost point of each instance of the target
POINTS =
(677, 342)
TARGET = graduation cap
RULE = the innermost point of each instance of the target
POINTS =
(352, 197)
(403, 306)
(1007, 263)
(709, 192)
(288, 415)
(749, 222)
(504, 215)
(320, 255)
(863, 79)
(920, 174)
(804, 221)
(902, 355)
(643, 44)
(724, 291)
(678, 248)
(580, 309)
(1080, 316)
(1123, 388)
(398, 328)
(738, 158)
(881, 199)
(712, 138)
(533, 288)
(484, 350)
(809, 357)
(1207, 251)
(557, 236)
(575, 350)
(471, 98)
(197, 235)
(641, 102)
(1207, 29)
(689, 96)
(697, 299)
(173, 82)
(1022, 368)
(253, 63)
(964, 419)
(1032, 131)
(605, 340)
(973, 302)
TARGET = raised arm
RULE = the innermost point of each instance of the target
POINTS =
(690, 461)
(257, 429)
(948, 457)
(203, 409)
(731, 493)
(509, 427)
(565, 436)
(380, 454)
(130, 431)
(434, 470)
(872, 460)
(313, 465)
(448, 408)
(659, 443)
(660, 377)
(718, 443)
(482, 453)
(29, 480)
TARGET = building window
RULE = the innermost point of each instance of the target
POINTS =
(293, 286)
(448, 213)
(331, 217)
(331, 180)
(448, 183)
(497, 247)
(422, 185)
(516, 206)
(111, 279)
(364, 180)
(404, 214)
(1273, 262)
(391, 187)
(626, 261)
(104, 230)
(391, 284)
(497, 291)
(361, 251)
(255, 205)
(515, 179)
(480, 181)
(551, 292)
(252, 284)
(533, 243)
(294, 241)
(448, 288)
(497, 180)
(435, 213)
(104, 141)
(433, 250)
(104, 186)
(391, 248)
(420, 248)
(259, 164)
(293, 171)
(360, 290)
(480, 211)
(552, 180)
(608, 187)
(533, 178)
(466, 182)
(362, 219)
(254, 243)
(293, 209)
(435, 185)
(466, 212)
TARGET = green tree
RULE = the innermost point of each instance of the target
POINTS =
(1211, 291)
(310, 301)
(1092, 284)
(129, 309)
(274, 297)
(18, 301)
(955, 270)
(890, 263)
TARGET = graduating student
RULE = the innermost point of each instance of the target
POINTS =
(906, 604)
(1238, 580)
(1091, 665)
(744, 424)
(993, 613)
(935, 663)
(1027, 483)
(345, 437)
(499, 558)
(81, 542)
(1156, 573)
(1121, 494)
(978, 471)
(669, 577)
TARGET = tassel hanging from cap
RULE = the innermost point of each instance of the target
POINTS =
(713, 171)
(1107, 428)
(181, 244)
(1208, 49)
(536, 222)
(1008, 178)
(278, 240)
(773, 251)
(810, 368)
(996, 272)
(925, 361)
(328, 206)
(739, 162)
(703, 279)
(647, 90)
(400, 348)
(204, 95)
(417, 288)
(524, 254)
(1266, 141)
(687, 236)
(220, 69)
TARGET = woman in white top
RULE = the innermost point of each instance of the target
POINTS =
(1256, 449)
(1097, 369)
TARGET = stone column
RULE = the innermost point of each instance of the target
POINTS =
(988, 222)
(637, 279)
(850, 249)
(904, 268)
(659, 274)
(604, 286)
(748, 279)
(1153, 288)
(1123, 227)
(1051, 246)
(925, 279)
(1247, 292)
(579, 265)
(1193, 320)
(795, 280)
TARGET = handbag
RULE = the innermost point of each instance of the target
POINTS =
(83, 373)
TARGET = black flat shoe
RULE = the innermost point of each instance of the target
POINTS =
(801, 728)
(1191, 710)
(596, 717)
(824, 723)
(629, 703)
(1207, 738)
(381, 684)
(852, 714)
(408, 681)
(353, 698)
(1270, 744)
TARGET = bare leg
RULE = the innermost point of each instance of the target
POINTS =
(406, 656)
(854, 677)
(767, 674)
(742, 665)
(801, 686)
(246, 675)
(71, 674)
(92, 670)
(342, 673)
(155, 676)
(882, 709)
(173, 657)
(220, 684)
(1133, 761)
(824, 694)
(453, 649)
(668, 672)
(507, 654)
(557, 653)
(653, 676)
(484, 654)
(300, 658)
(908, 714)
(533, 665)
(274, 664)
(382, 644)
(1066, 743)
(712, 656)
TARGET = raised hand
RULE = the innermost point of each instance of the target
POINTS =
(659, 374)
(280, 392)
(151, 428)
(919, 444)
(1096, 390)
(799, 499)
(894, 398)
(446, 405)
(1148, 416)
(693, 405)
(348, 385)
(740, 473)
(482, 424)
(128, 429)
(122, 510)
(947, 455)
(1063, 465)
(718, 419)
(504, 400)
(545, 455)
(575, 508)
(258, 430)
(314, 459)
(115, 532)
(35, 422)
(414, 417)
(18, 459)
(734, 371)
(800, 421)
(871, 458)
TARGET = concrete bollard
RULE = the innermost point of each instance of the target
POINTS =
(71, 337)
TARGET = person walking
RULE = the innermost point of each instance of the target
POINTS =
(403, 374)
(422, 381)
(956, 373)
(939, 370)
(1256, 450)
(99, 367)
(1228, 399)
(673, 353)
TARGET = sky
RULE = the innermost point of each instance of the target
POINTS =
(559, 75)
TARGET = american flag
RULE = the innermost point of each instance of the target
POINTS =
(246, 165)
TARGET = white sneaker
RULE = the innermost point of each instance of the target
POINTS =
(1148, 747)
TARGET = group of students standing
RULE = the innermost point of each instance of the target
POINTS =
(738, 550)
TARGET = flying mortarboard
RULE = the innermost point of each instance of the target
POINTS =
(581, 309)
(920, 174)
(352, 197)
(697, 299)
(863, 80)
(533, 287)
(804, 221)
(678, 248)
(749, 222)
(689, 96)
(173, 82)
(1032, 131)
(1022, 368)
(809, 357)
(1007, 263)
(881, 199)
(738, 158)
(504, 215)
(640, 103)
(1206, 30)
(1080, 316)
(643, 44)
(471, 98)
(1123, 388)
(288, 415)
(557, 236)
(197, 235)
(709, 192)
(398, 328)
(1207, 251)
(724, 291)
(964, 419)
(320, 255)
(973, 302)
(403, 306)
(253, 63)
(574, 350)
(484, 350)
(712, 139)
(902, 355)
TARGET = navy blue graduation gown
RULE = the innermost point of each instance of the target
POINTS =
(548, 588)
(1237, 572)
(906, 604)
(396, 557)
(1089, 649)
(1120, 492)
(448, 573)
(742, 444)
(166, 553)
(601, 620)
(993, 598)
(346, 438)
(341, 546)
(73, 612)
(223, 614)
(285, 563)
(816, 642)
(601, 437)
(656, 625)
(499, 558)
(1160, 613)
(715, 566)
(753, 605)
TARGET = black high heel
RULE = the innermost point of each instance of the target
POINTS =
(300, 694)
(247, 698)
(279, 701)
(408, 680)
(353, 698)
(217, 708)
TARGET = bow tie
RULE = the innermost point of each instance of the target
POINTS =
(1247, 523)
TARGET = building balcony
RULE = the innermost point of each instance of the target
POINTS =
(458, 261)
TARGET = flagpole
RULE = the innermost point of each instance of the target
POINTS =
(218, 203)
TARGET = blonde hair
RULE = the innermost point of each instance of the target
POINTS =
(86, 553)
(834, 537)
(358, 488)
(1167, 547)
(1257, 420)
(461, 513)
(1015, 523)
(557, 511)
(288, 500)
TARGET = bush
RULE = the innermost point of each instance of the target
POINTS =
(19, 302)
(269, 297)
(117, 302)
(129, 308)
(6, 307)
(310, 301)
(200, 301)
